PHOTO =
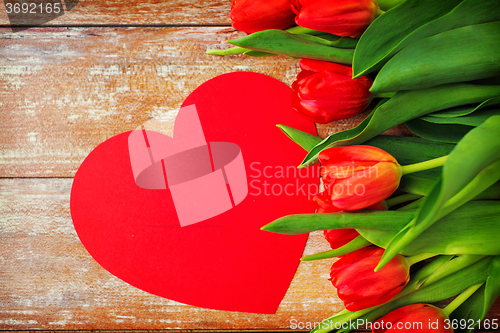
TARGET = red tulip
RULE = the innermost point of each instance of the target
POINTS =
(359, 287)
(325, 91)
(346, 18)
(340, 237)
(256, 15)
(421, 318)
(356, 177)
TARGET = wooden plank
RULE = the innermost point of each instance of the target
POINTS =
(134, 12)
(49, 281)
(65, 90)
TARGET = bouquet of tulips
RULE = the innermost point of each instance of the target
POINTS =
(390, 202)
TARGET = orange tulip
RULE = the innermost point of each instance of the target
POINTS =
(418, 318)
(356, 177)
(255, 15)
(359, 287)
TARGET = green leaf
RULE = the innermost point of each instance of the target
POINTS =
(257, 54)
(404, 106)
(389, 221)
(390, 31)
(476, 238)
(284, 43)
(449, 133)
(492, 290)
(470, 311)
(474, 119)
(303, 139)
(466, 109)
(354, 245)
(413, 21)
(332, 40)
(472, 166)
(379, 228)
(443, 59)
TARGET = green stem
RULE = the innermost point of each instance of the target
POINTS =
(419, 257)
(461, 298)
(434, 163)
(401, 198)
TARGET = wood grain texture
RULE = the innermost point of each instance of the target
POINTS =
(49, 281)
(65, 90)
(144, 12)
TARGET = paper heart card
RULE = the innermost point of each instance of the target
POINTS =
(175, 206)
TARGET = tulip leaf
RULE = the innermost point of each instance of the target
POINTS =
(284, 43)
(474, 119)
(471, 311)
(414, 20)
(475, 308)
(472, 167)
(492, 290)
(450, 133)
(380, 227)
(404, 106)
(467, 238)
(354, 245)
(332, 40)
(443, 59)
(303, 139)
(466, 109)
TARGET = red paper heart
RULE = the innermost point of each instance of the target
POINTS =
(225, 262)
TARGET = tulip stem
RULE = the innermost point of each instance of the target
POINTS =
(419, 257)
(461, 298)
(401, 199)
(430, 164)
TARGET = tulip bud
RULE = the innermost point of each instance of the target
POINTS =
(419, 318)
(356, 177)
(345, 18)
(256, 15)
(359, 287)
(325, 91)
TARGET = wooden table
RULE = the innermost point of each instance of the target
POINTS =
(100, 70)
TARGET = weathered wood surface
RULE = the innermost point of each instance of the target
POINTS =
(65, 90)
(135, 12)
(49, 281)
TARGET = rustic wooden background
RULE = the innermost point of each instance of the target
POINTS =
(100, 70)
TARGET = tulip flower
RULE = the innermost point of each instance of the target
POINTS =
(345, 18)
(356, 177)
(340, 237)
(256, 15)
(423, 318)
(325, 91)
(359, 287)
